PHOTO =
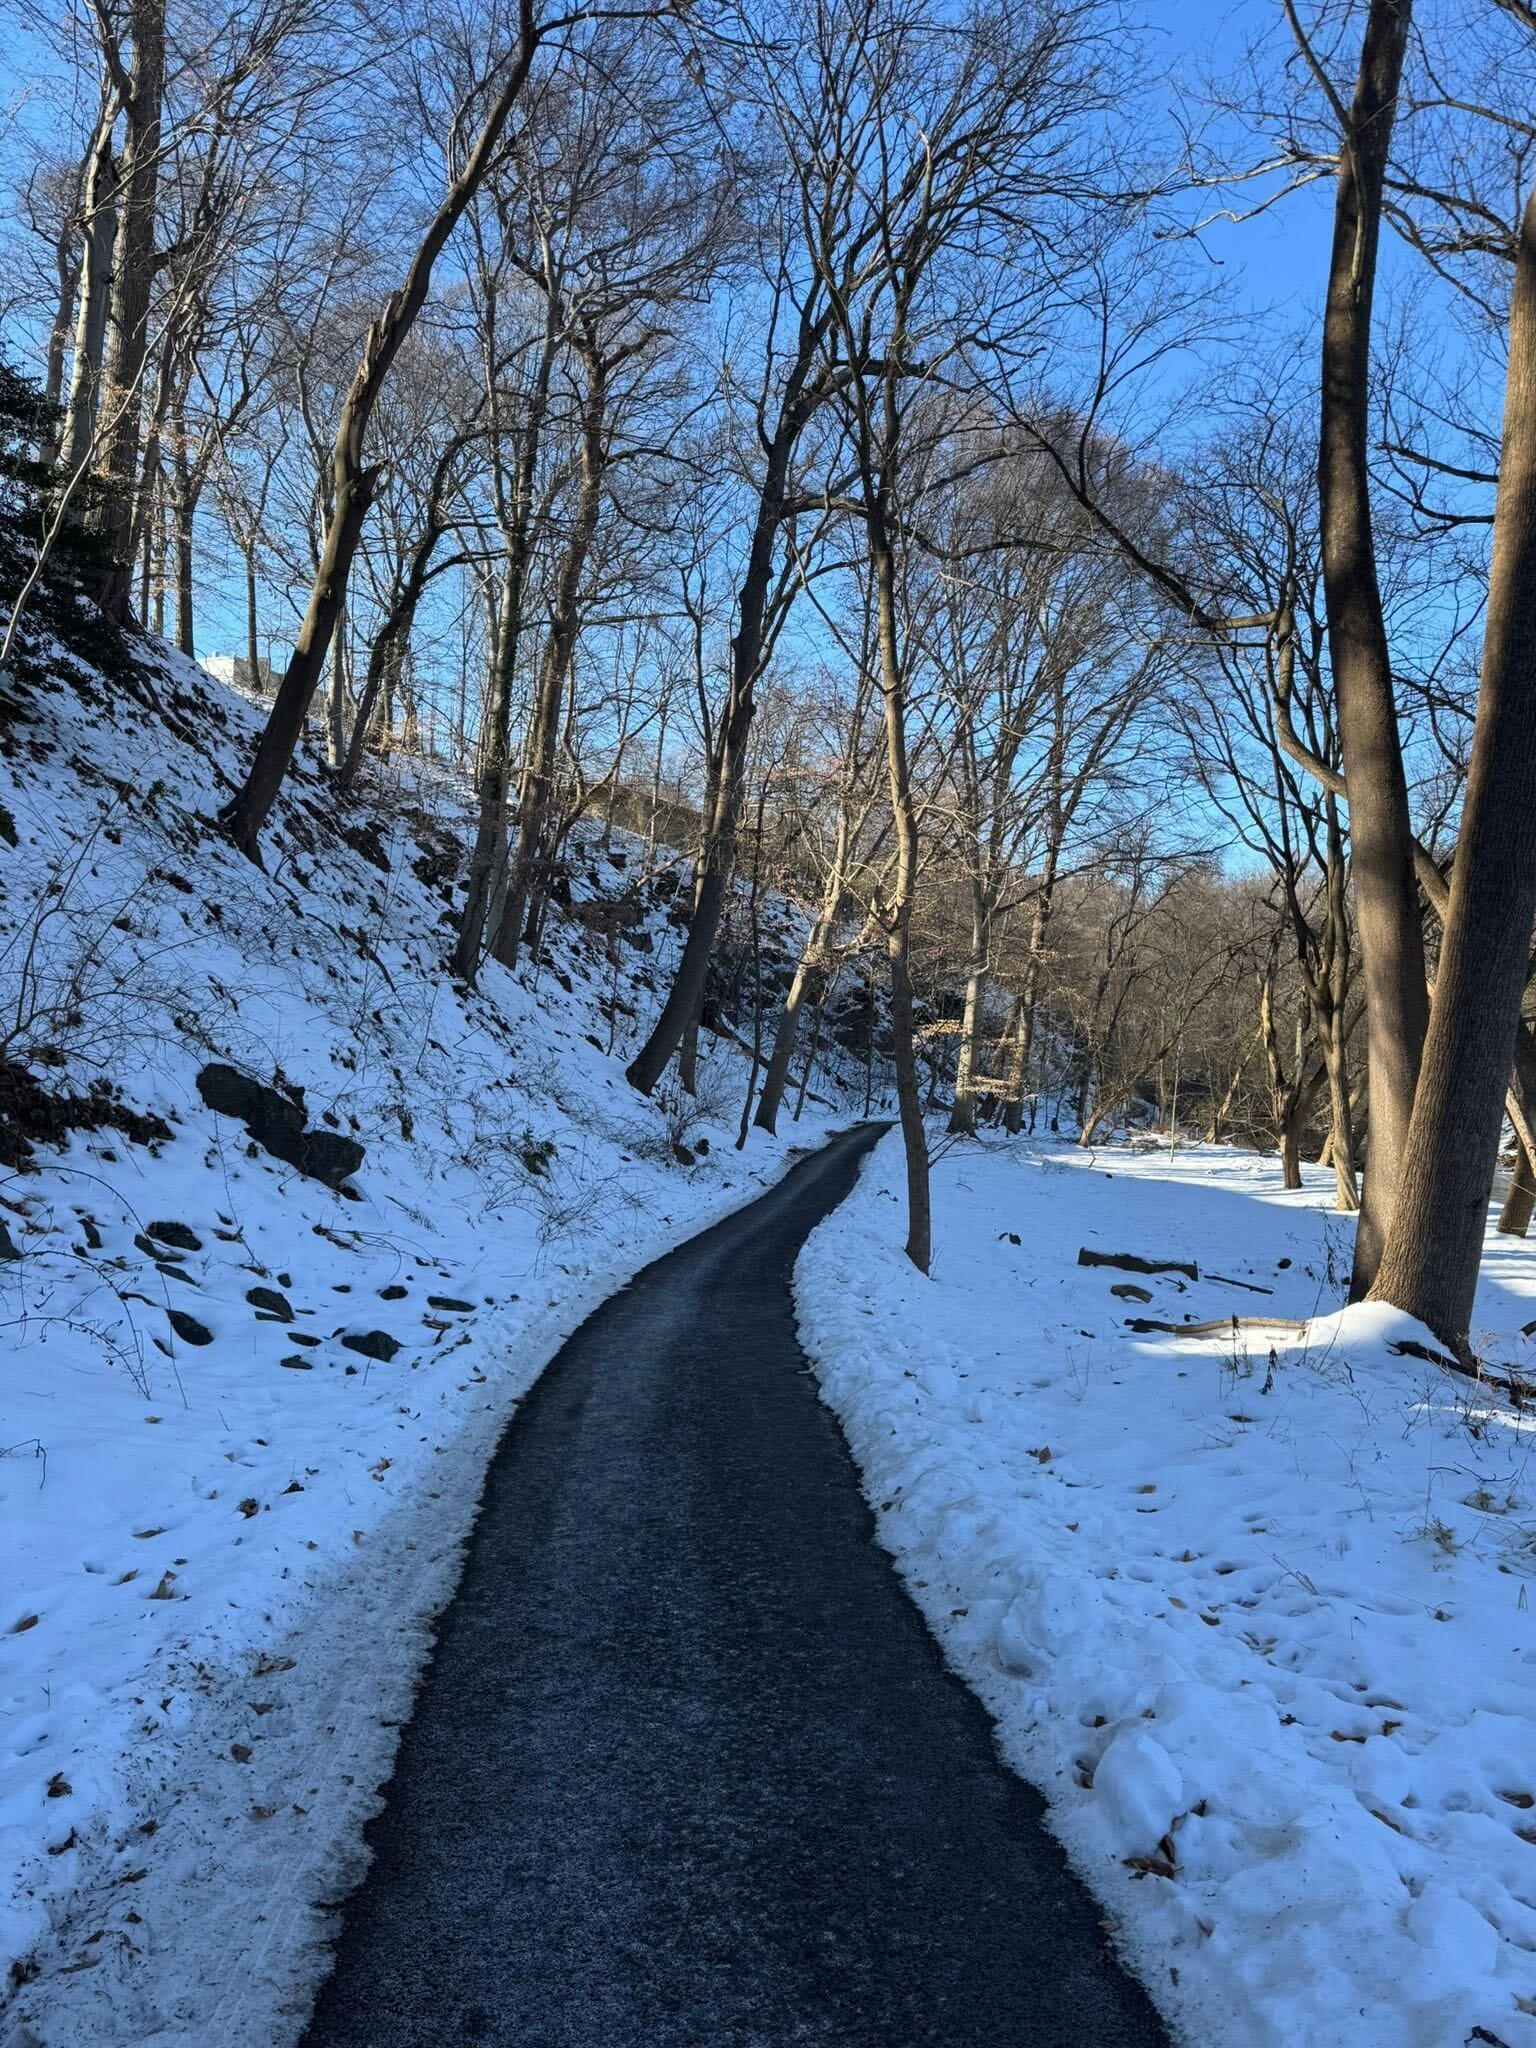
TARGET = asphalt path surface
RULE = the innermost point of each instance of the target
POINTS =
(686, 1766)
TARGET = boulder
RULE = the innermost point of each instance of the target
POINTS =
(269, 1302)
(178, 1236)
(276, 1121)
(372, 1343)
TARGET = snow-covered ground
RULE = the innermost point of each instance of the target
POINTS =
(1258, 1622)
(1256, 1617)
(225, 1527)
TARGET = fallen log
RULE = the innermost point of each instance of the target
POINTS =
(1130, 1263)
(1218, 1326)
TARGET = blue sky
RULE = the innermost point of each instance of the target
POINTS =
(1277, 261)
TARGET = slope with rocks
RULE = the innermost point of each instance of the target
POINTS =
(291, 1221)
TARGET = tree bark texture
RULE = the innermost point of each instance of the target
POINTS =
(1381, 835)
(1434, 1246)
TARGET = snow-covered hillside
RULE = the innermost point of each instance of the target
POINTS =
(247, 1407)
(1257, 1620)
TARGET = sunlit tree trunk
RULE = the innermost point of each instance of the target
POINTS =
(1381, 836)
(1434, 1247)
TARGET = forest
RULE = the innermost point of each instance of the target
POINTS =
(971, 564)
(823, 433)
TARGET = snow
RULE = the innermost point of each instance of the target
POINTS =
(222, 1558)
(1253, 1611)
(1257, 1621)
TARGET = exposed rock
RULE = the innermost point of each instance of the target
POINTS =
(372, 1343)
(368, 840)
(450, 1301)
(276, 1121)
(394, 1292)
(177, 1235)
(188, 1328)
(1128, 1291)
(30, 1115)
(271, 1303)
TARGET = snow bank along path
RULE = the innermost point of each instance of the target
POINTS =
(1258, 1626)
(245, 1418)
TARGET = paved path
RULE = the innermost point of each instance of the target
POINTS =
(687, 1770)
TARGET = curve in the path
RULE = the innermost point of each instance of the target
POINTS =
(686, 1770)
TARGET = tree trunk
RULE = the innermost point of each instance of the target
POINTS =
(1223, 1109)
(336, 695)
(95, 294)
(69, 264)
(252, 638)
(815, 1048)
(487, 861)
(755, 931)
(747, 646)
(898, 914)
(1029, 1004)
(1292, 1097)
(962, 1116)
(157, 551)
(244, 816)
(185, 512)
(1290, 1152)
(148, 534)
(785, 1034)
(810, 970)
(527, 873)
(919, 1245)
(1515, 1216)
(688, 1055)
(487, 855)
(1381, 836)
(128, 327)
(353, 485)
(1011, 1052)
(1341, 1149)
(1430, 1265)
(386, 659)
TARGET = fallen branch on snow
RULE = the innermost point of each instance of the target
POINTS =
(1130, 1263)
(1218, 1326)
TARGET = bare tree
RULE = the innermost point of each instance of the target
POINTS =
(490, 92)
